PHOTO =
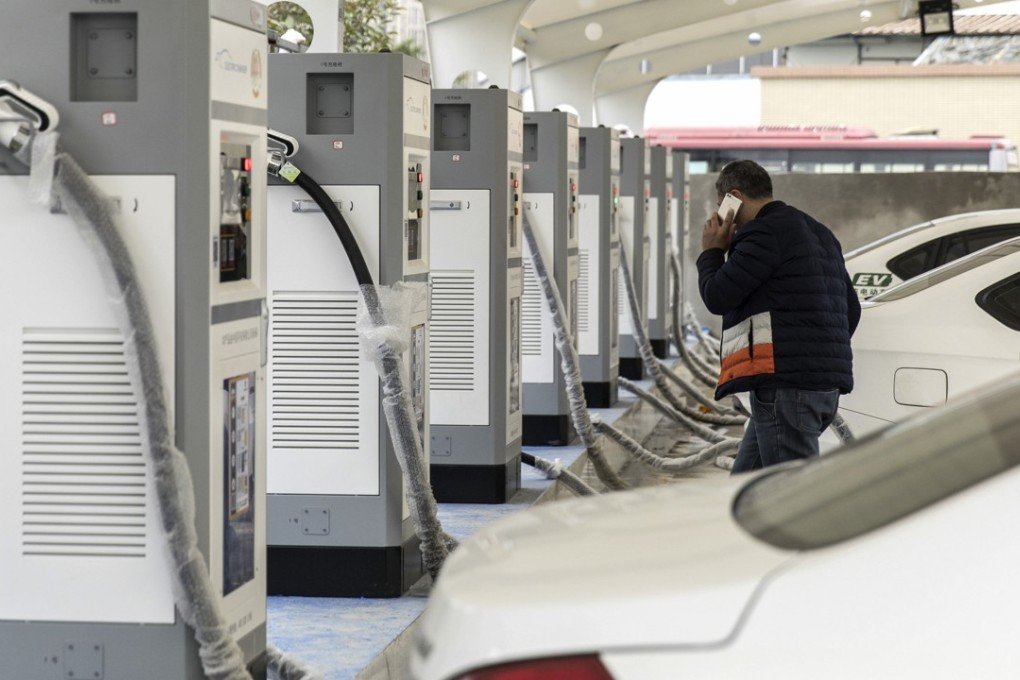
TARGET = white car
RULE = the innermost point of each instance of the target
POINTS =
(938, 335)
(895, 557)
(900, 256)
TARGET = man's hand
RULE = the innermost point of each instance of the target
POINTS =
(716, 233)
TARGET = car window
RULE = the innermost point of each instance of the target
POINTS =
(1002, 301)
(974, 240)
(887, 476)
(948, 271)
(915, 261)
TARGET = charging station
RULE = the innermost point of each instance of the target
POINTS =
(598, 336)
(680, 224)
(635, 195)
(475, 387)
(551, 141)
(338, 523)
(660, 239)
(170, 138)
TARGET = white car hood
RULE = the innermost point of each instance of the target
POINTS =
(664, 565)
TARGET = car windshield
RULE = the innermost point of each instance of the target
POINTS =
(949, 270)
(888, 475)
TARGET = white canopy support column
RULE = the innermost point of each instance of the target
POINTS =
(626, 107)
(569, 82)
(480, 39)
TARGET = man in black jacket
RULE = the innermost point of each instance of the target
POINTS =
(777, 277)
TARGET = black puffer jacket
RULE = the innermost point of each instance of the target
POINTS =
(787, 304)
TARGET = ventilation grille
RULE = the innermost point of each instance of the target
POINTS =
(452, 331)
(83, 467)
(531, 313)
(314, 372)
(582, 291)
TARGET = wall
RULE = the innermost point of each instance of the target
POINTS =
(861, 208)
(958, 100)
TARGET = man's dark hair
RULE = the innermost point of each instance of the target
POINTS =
(745, 176)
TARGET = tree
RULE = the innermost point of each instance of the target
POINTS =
(367, 25)
(283, 16)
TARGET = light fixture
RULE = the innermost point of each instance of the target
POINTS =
(754, 38)
(593, 31)
(936, 17)
(865, 15)
(645, 67)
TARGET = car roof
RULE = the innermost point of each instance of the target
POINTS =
(889, 475)
(951, 224)
(950, 270)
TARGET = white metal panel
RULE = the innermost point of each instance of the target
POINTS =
(538, 349)
(62, 376)
(589, 254)
(459, 331)
(514, 369)
(627, 240)
(308, 268)
(652, 229)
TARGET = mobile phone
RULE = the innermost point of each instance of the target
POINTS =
(729, 202)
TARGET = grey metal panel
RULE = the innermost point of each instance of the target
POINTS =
(550, 172)
(236, 311)
(167, 130)
(372, 154)
(633, 153)
(237, 113)
(485, 165)
(658, 328)
(599, 176)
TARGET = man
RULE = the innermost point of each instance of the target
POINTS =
(777, 277)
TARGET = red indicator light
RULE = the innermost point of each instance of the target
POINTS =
(573, 187)
(246, 164)
(517, 183)
(421, 177)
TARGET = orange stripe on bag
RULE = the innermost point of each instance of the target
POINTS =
(741, 363)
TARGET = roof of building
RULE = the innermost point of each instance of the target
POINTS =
(963, 24)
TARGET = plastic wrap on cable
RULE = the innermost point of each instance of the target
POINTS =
(706, 433)
(287, 667)
(842, 429)
(652, 362)
(697, 369)
(648, 357)
(663, 463)
(384, 325)
(705, 338)
(725, 462)
(554, 469)
(692, 391)
(195, 597)
(570, 365)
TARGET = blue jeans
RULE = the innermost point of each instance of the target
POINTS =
(785, 425)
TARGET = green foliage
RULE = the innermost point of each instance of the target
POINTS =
(366, 25)
(286, 15)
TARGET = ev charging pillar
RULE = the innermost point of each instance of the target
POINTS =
(680, 224)
(338, 523)
(475, 395)
(171, 136)
(635, 191)
(550, 205)
(598, 337)
(660, 241)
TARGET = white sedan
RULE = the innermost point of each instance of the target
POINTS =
(895, 558)
(900, 256)
(938, 335)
